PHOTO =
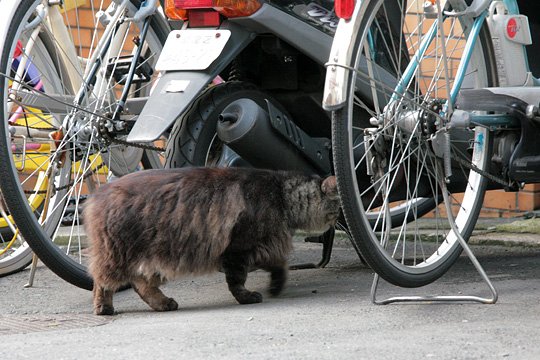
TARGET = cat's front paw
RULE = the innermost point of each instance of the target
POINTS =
(104, 310)
(168, 305)
(252, 297)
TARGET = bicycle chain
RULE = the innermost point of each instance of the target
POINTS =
(109, 139)
(460, 160)
(106, 135)
(471, 166)
(113, 140)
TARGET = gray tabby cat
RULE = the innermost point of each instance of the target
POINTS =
(155, 225)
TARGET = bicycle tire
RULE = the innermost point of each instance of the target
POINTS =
(16, 255)
(39, 236)
(387, 248)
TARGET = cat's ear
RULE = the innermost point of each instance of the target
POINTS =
(329, 187)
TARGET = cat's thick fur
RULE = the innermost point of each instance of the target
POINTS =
(150, 226)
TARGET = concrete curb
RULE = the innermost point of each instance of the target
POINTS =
(501, 232)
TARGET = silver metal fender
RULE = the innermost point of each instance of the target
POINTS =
(341, 53)
(175, 91)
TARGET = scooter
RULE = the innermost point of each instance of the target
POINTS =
(241, 83)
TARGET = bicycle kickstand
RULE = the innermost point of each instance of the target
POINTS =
(33, 269)
(445, 298)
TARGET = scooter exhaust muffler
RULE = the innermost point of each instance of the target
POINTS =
(269, 139)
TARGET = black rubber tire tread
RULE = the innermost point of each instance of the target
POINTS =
(192, 132)
(27, 223)
(360, 231)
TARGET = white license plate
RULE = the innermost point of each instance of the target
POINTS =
(192, 49)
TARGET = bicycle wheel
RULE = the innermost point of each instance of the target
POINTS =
(62, 130)
(392, 147)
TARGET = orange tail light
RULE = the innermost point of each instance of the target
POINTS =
(174, 13)
(227, 8)
(236, 8)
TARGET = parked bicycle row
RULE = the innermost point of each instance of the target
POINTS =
(418, 108)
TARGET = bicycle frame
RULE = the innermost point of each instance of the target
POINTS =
(507, 112)
(341, 54)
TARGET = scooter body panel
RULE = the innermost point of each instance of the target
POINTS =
(306, 38)
(176, 90)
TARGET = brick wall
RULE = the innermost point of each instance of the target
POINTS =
(80, 15)
(499, 203)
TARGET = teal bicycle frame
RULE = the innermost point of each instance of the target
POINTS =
(490, 121)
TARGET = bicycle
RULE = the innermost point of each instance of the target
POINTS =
(65, 123)
(412, 122)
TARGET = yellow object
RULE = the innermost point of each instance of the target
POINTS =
(72, 4)
(8, 246)
(35, 200)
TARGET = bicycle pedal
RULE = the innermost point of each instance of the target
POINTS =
(118, 67)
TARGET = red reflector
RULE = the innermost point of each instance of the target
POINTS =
(18, 49)
(344, 8)
(193, 4)
(203, 18)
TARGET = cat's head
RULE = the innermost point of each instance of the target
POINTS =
(330, 203)
(313, 203)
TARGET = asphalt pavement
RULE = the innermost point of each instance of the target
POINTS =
(322, 314)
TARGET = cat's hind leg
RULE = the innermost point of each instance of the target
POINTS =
(103, 300)
(148, 290)
(236, 275)
(278, 278)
